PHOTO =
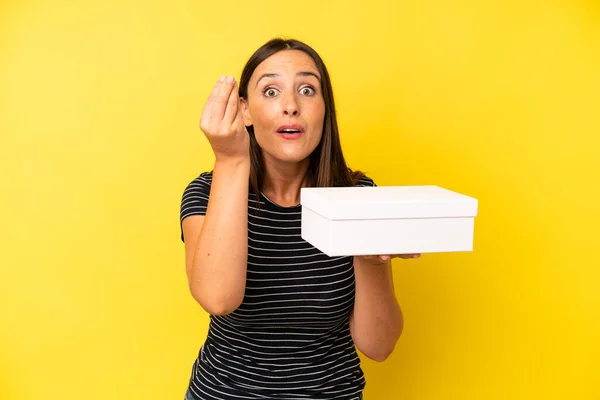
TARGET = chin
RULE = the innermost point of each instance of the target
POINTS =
(289, 156)
(292, 158)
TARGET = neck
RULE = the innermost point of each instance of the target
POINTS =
(283, 181)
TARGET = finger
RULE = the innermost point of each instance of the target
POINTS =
(239, 115)
(220, 102)
(384, 258)
(211, 98)
(232, 106)
(407, 256)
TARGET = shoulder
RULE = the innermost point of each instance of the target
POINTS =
(365, 181)
(197, 191)
(194, 200)
(204, 178)
(200, 183)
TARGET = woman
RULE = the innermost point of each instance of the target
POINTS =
(284, 317)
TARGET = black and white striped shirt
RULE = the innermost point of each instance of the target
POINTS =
(290, 337)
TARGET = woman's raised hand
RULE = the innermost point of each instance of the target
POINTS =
(222, 122)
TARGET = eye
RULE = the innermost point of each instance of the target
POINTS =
(307, 91)
(270, 92)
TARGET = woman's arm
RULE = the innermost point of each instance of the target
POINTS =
(217, 243)
(376, 321)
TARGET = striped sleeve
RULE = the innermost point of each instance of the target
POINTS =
(365, 181)
(195, 198)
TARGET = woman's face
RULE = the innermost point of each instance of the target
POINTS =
(286, 107)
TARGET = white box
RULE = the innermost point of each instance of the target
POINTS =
(348, 221)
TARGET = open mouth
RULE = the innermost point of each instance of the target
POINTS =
(290, 131)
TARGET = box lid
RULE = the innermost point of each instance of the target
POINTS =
(385, 202)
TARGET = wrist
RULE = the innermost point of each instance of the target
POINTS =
(370, 261)
(233, 163)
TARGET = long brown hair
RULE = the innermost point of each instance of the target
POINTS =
(327, 166)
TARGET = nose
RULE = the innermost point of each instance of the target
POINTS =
(290, 106)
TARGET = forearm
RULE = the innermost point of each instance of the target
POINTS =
(376, 321)
(218, 276)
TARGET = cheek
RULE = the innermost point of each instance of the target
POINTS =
(317, 114)
(263, 113)
(319, 107)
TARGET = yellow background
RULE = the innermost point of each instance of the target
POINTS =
(99, 109)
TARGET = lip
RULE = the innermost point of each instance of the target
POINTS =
(290, 136)
(296, 127)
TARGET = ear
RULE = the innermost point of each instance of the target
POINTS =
(245, 112)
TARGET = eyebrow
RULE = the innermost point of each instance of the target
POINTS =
(303, 73)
